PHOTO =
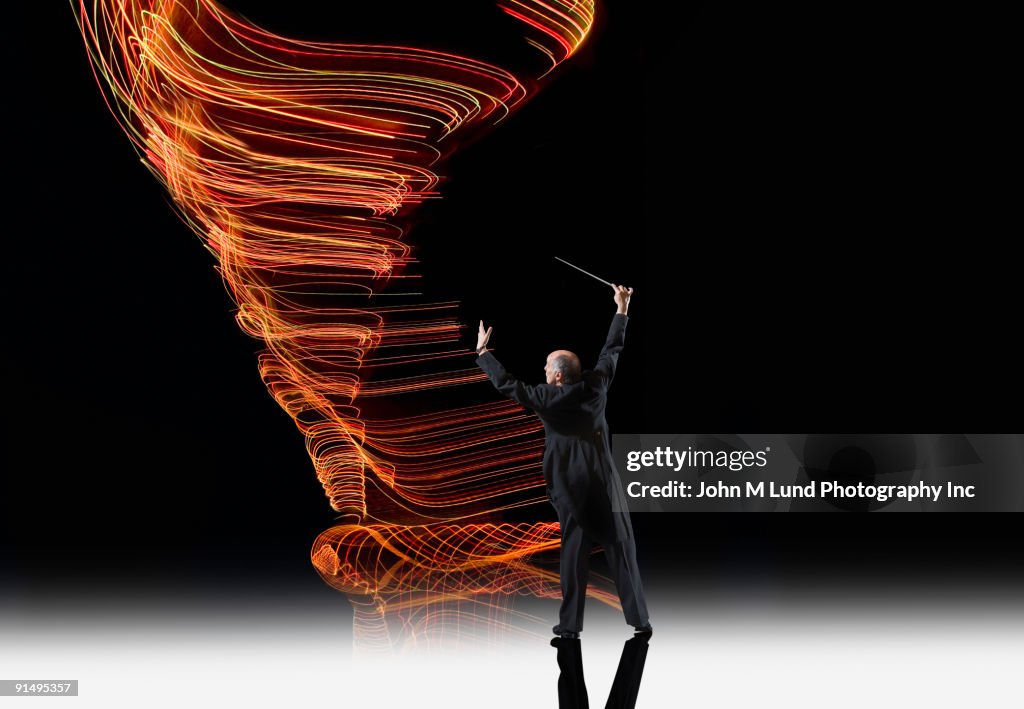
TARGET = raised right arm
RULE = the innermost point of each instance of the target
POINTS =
(609, 357)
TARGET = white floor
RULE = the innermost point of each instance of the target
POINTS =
(843, 654)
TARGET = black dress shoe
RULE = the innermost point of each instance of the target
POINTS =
(644, 629)
(565, 634)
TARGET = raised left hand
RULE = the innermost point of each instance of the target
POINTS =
(483, 336)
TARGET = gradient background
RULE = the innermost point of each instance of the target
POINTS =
(808, 203)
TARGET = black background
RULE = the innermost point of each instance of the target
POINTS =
(809, 202)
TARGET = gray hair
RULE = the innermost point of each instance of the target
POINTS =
(568, 366)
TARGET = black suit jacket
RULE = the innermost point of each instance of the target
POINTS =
(579, 472)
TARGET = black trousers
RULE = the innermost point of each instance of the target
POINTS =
(575, 568)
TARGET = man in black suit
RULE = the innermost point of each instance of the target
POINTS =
(580, 475)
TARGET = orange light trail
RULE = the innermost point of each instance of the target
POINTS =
(300, 166)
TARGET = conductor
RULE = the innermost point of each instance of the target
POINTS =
(579, 473)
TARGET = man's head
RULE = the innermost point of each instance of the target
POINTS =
(562, 367)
